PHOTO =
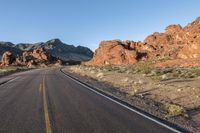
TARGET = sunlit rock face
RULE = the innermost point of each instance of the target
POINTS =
(7, 59)
(176, 42)
(114, 52)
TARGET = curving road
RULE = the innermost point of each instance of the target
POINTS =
(47, 101)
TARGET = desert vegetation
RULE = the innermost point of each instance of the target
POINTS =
(11, 69)
(176, 88)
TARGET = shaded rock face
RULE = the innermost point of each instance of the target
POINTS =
(7, 46)
(7, 59)
(36, 57)
(116, 52)
(175, 43)
(60, 50)
(46, 53)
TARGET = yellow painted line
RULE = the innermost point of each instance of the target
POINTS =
(46, 113)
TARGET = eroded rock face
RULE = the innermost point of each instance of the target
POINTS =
(40, 54)
(30, 59)
(167, 44)
(116, 52)
(7, 59)
(191, 39)
(175, 43)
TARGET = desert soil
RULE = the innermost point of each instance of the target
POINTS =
(172, 94)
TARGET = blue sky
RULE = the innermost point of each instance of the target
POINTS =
(87, 22)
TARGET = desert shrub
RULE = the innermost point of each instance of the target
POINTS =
(176, 72)
(196, 71)
(142, 67)
(133, 91)
(108, 68)
(188, 72)
(175, 110)
(156, 78)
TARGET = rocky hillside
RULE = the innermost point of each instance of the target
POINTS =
(46, 53)
(176, 43)
(59, 49)
(7, 46)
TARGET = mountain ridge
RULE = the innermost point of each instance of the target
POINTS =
(42, 52)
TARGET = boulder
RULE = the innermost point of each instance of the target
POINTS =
(7, 59)
(114, 52)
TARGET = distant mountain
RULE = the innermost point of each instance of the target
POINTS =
(8, 46)
(53, 47)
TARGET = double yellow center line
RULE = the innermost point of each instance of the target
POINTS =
(42, 90)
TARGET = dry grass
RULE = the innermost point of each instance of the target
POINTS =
(11, 69)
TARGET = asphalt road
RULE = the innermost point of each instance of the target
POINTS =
(47, 101)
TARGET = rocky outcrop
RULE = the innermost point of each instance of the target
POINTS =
(50, 52)
(36, 57)
(60, 50)
(40, 54)
(116, 52)
(175, 43)
(191, 38)
(7, 59)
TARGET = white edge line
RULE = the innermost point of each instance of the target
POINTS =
(131, 109)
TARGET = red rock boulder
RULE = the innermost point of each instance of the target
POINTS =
(114, 52)
(7, 59)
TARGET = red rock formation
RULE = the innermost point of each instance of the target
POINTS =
(175, 43)
(19, 61)
(115, 52)
(191, 39)
(40, 54)
(58, 63)
(30, 59)
(6, 59)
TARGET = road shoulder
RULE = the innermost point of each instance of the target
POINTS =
(142, 103)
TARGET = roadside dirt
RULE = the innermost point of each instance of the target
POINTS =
(170, 96)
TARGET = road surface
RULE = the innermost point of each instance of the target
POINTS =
(47, 101)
